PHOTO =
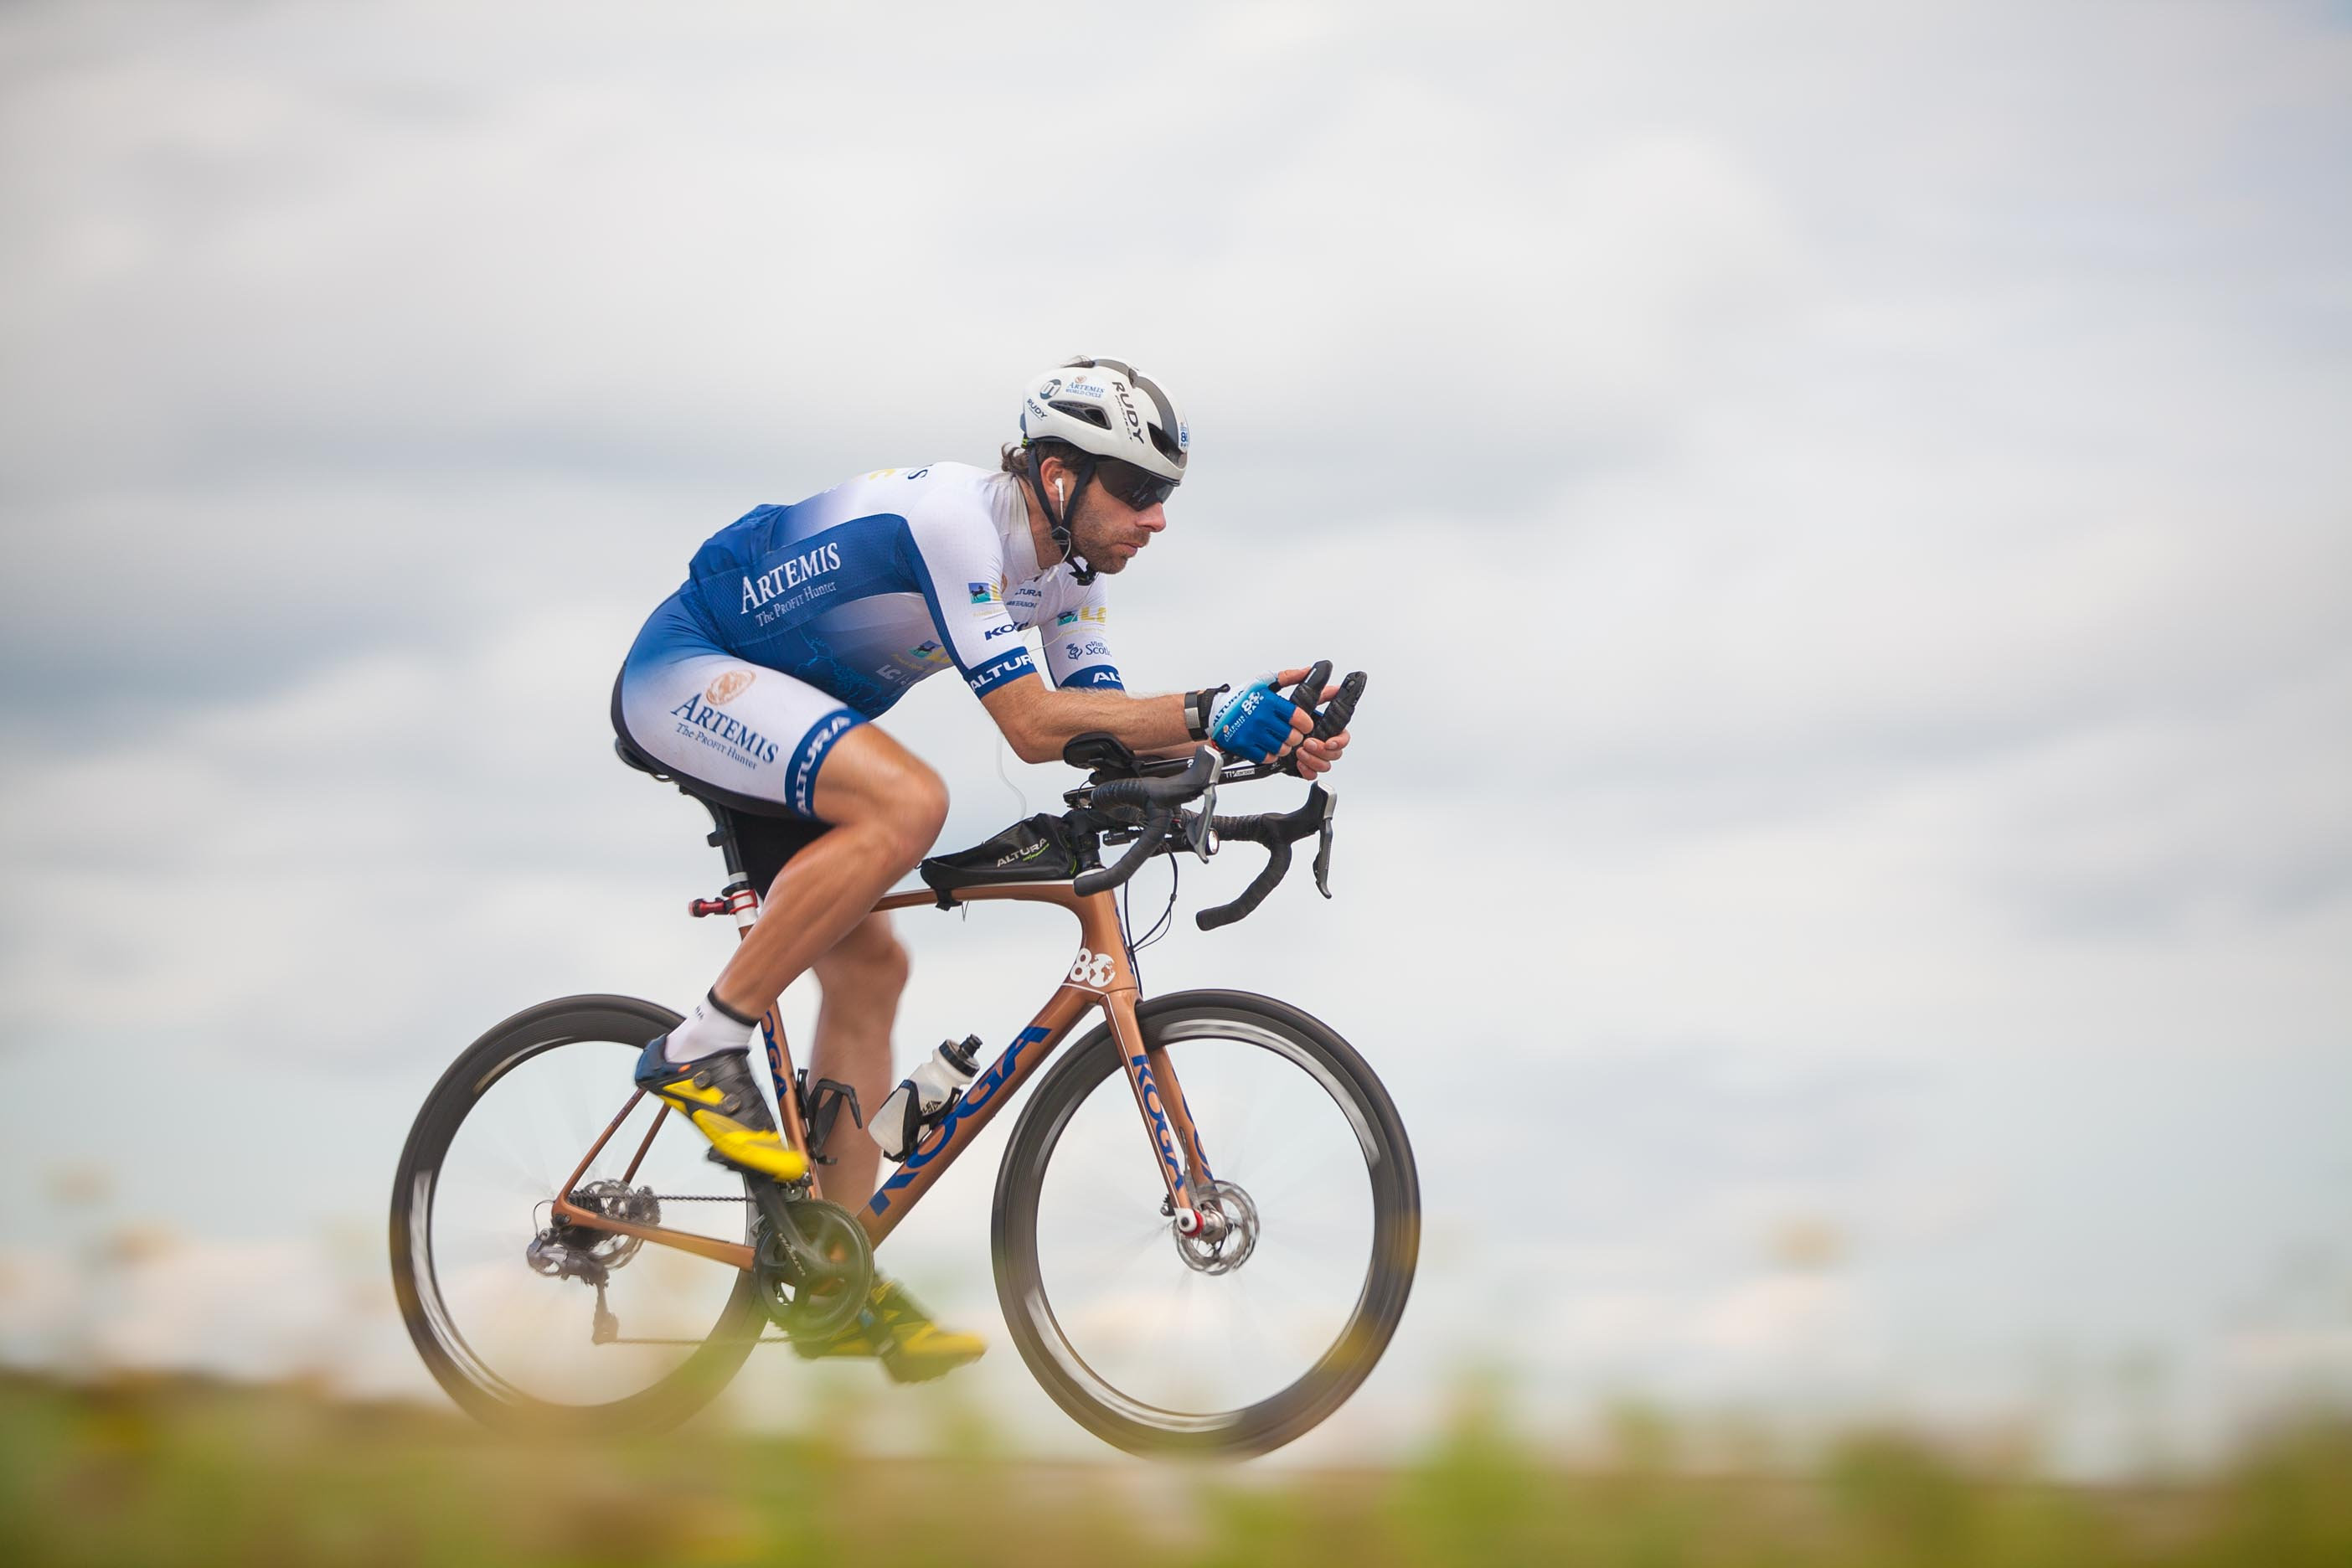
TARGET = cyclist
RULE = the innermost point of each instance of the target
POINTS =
(798, 625)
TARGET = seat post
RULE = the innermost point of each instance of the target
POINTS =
(739, 897)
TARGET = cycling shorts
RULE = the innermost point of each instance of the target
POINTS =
(753, 737)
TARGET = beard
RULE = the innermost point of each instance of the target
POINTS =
(1094, 539)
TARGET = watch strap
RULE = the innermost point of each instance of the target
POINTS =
(1197, 705)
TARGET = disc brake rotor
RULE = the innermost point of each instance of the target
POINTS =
(1234, 1243)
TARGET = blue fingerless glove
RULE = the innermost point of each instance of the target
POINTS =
(1252, 723)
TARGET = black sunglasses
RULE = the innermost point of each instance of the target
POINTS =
(1135, 488)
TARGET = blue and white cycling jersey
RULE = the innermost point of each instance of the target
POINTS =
(867, 588)
(854, 596)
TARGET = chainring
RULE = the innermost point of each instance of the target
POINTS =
(813, 1265)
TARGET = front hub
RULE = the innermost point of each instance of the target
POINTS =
(1218, 1236)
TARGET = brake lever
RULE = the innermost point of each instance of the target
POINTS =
(1323, 840)
(1201, 830)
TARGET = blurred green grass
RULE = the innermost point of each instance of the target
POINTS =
(165, 1471)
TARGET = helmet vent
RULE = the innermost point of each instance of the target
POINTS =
(1088, 412)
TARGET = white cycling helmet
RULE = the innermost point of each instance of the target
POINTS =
(1111, 413)
(1106, 408)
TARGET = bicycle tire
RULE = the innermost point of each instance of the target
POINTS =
(662, 1404)
(1264, 1423)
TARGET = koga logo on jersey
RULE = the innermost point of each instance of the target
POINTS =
(727, 686)
(757, 590)
(742, 742)
(998, 631)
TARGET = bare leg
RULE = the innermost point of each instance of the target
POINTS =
(862, 977)
(886, 807)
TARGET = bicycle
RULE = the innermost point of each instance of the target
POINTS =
(1292, 1258)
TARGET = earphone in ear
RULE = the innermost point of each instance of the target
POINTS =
(1061, 487)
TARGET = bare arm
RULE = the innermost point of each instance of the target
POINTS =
(1038, 720)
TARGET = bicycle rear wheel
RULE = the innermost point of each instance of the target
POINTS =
(586, 1331)
(1161, 1345)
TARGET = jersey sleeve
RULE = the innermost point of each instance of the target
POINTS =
(961, 568)
(1077, 641)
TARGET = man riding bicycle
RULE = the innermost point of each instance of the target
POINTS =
(798, 625)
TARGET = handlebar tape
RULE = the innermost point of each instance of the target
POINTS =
(1277, 834)
(1104, 877)
(1277, 865)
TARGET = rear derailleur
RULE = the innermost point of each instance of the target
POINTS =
(562, 1251)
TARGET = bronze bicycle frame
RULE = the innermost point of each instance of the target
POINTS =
(1159, 1100)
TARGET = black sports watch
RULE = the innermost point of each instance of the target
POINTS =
(1197, 705)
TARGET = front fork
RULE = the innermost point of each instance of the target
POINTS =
(1166, 1121)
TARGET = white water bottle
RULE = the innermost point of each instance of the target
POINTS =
(922, 1094)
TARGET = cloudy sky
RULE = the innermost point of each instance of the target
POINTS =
(1843, 507)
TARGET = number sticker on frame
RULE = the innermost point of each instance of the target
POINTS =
(1094, 970)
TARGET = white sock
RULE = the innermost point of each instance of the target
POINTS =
(711, 1027)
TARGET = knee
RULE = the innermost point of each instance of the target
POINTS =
(918, 809)
(867, 964)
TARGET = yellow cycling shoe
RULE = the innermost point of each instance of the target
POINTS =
(720, 1097)
(895, 1328)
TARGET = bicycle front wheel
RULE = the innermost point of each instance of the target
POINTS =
(1161, 1344)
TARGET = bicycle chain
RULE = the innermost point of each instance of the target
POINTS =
(699, 1198)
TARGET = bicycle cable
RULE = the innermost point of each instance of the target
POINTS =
(1160, 927)
(1018, 793)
